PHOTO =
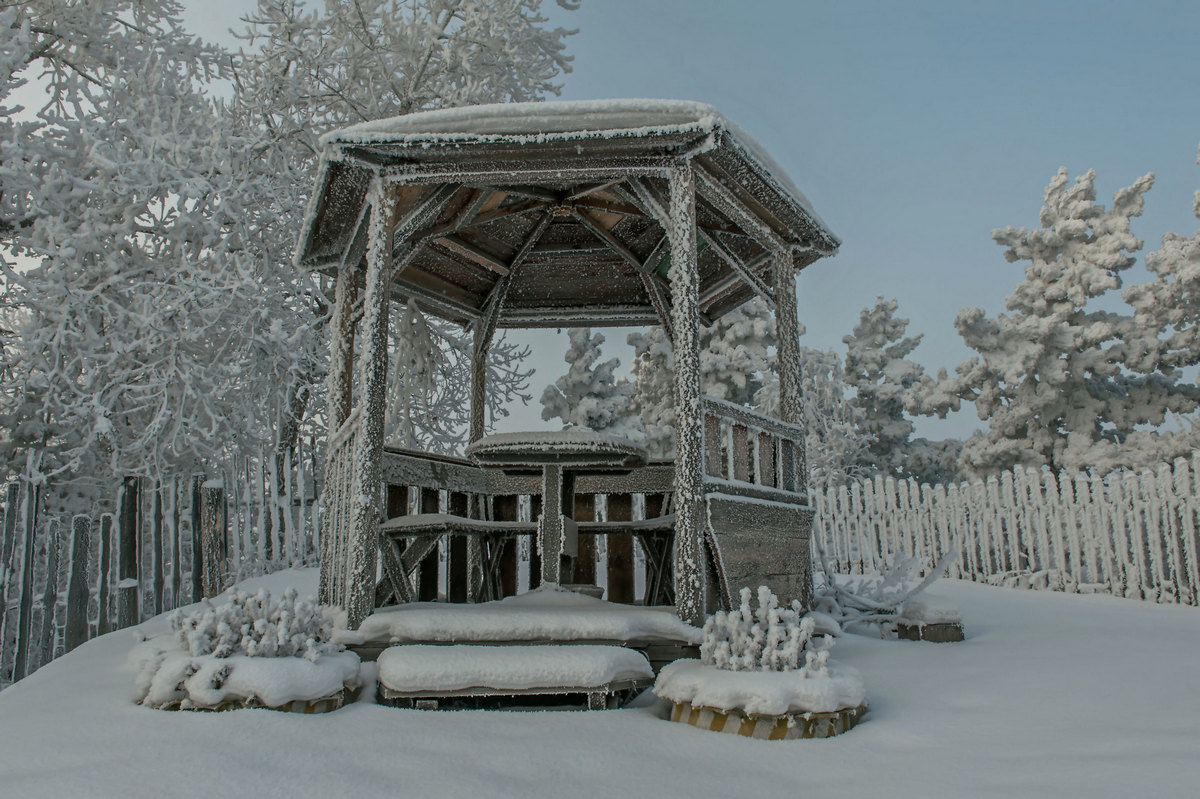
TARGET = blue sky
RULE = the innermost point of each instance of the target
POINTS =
(915, 128)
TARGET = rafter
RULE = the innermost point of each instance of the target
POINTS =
(495, 300)
(599, 231)
(513, 209)
(729, 205)
(585, 191)
(471, 252)
(419, 217)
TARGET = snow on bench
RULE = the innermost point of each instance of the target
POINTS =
(416, 671)
(547, 614)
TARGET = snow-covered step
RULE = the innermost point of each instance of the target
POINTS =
(420, 673)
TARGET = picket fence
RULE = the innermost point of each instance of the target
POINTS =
(65, 579)
(1130, 534)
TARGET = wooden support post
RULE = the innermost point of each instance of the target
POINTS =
(585, 561)
(213, 526)
(479, 357)
(128, 557)
(787, 324)
(458, 565)
(103, 596)
(76, 627)
(619, 547)
(25, 608)
(339, 390)
(372, 364)
(691, 573)
(427, 574)
(197, 557)
(535, 553)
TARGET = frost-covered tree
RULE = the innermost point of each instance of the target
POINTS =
(880, 374)
(735, 353)
(305, 71)
(651, 401)
(589, 394)
(142, 337)
(1053, 378)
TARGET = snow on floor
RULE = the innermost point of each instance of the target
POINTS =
(1051, 695)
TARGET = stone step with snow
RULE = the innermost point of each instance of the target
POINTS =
(422, 672)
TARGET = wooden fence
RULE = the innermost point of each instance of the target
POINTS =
(1132, 535)
(65, 579)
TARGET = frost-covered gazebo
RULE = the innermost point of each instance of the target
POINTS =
(622, 212)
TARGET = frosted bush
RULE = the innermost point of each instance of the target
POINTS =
(255, 625)
(768, 638)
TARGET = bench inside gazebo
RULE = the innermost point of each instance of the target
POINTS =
(555, 215)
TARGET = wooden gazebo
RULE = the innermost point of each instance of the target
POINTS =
(560, 214)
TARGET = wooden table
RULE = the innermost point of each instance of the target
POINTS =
(559, 457)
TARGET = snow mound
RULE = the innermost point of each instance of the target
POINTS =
(518, 668)
(761, 693)
(925, 608)
(548, 613)
(178, 679)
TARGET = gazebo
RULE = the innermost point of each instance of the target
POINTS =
(558, 214)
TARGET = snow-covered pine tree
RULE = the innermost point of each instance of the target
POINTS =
(1051, 377)
(651, 376)
(589, 394)
(880, 374)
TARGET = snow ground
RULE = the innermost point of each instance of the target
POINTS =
(1051, 695)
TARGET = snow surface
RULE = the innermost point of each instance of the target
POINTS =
(566, 120)
(547, 613)
(1076, 697)
(450, 668)
(761, 693)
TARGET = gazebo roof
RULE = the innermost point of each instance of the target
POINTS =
(562, 206)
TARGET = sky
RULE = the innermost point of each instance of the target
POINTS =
(914, 128)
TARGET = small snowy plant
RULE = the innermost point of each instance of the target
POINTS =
(769, 638)
(257, 626)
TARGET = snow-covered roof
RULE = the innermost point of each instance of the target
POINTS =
(572, 198)
(541, 122)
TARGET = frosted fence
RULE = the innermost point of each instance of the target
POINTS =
(1132, 535)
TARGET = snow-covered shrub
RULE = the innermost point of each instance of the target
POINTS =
(257, 626)
(769, 638)
(874, 598)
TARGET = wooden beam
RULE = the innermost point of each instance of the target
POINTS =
(787, 323)
(473, 253)
(404, 240)
(742, 270)
(579, 193)
(725, 201)
(616, 245)
(512, 209)
(662, 306)
(357, 246)
(495, 302)
(534, 192)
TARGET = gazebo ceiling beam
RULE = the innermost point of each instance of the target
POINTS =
(356, 247)
(495, 300)
(730, 206)
(558, 172)
(616, 245)
(581, 316)
(533, 192)
(502, 212)
(479, 198)
(477, 254)
(405, 242)
(586, 190)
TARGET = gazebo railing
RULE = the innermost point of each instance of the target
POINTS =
(336, 500)
(751, 454)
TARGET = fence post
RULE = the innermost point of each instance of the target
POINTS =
(127, 555)
(49, 595)
(212, 536)
(76, 628)
(103, 599)
(25, 613)
(197, 557)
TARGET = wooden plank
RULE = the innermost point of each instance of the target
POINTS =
(473, 253)
(585, 560)
(427, 576)
(458, 559)
(103, 598)
(714, 464)
(128, 556)
(535, 555)
(741, 454)
(25, 607)
(504, 509)
(620, 551)
(762, 543)
(197, 556)
(49, 630)
(76, 625)
(765, 460)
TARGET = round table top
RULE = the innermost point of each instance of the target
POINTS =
(575, 449)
